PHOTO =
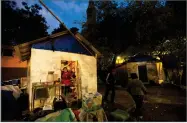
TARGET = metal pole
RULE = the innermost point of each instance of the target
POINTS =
(63, 24)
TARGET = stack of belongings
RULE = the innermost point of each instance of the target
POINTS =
(16, 82)
(48, 104)
(10, 107)
(23, 82)
(65, 115)
(8, 86)
(91, 108)
(59, 104)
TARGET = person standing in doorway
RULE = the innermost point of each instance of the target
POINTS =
(66, 79)
(137, 90)
(110, 86)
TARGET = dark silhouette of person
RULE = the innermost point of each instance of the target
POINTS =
(183, 80)
(110, 85)
(137, 90)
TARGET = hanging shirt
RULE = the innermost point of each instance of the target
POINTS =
(66, 78)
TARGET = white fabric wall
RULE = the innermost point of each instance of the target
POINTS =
(42, 61)
(132, 67)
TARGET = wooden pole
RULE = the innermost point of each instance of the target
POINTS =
(63, 25)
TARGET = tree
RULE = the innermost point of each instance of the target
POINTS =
(59, 29)
(178, 25)
(140, 23)
(62, 28)
(22, 25)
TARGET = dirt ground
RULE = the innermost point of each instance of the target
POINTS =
(162, 103)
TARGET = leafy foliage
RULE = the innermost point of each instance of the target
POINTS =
(176, 47)
(140, 23)
(59, 29)
(22, 25)
(62, 28)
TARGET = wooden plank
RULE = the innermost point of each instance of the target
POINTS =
(25, 54)
(44, 38)
(81, 38)
(7, 47)
(17, 51)
(24, 49)
(13, 73)
(64, 26)
(24, 58)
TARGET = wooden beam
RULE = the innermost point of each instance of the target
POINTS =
(25, 54)
(65, 26)
(43, 39)
(81, 38)
(17, 51)
(24, 58)
(7, 47)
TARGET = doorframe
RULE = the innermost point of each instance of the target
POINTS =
(139, 74)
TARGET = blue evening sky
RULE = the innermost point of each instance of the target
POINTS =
(68, 11)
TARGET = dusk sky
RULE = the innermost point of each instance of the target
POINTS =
(68, 11)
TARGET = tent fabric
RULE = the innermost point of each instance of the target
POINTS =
(91, 116)
(141, 58)
(64, 43)
(65, 115)
(169, 61)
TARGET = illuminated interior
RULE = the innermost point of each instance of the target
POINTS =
(119, 60)
(39, 69)
(160, 74)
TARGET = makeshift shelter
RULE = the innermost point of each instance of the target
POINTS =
(11, 67)
(148, 68)
(49, 55)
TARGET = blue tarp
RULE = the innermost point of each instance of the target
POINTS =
(141, 58)
(64, 43)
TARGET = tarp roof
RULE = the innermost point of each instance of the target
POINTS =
(170, 61)
(141, 58)
(62, 41)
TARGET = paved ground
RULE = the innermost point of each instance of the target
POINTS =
(162, 103)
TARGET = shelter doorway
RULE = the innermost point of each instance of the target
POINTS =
(69, 77)
(142, 70)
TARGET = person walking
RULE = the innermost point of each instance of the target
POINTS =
(137, 90)
(110, 86)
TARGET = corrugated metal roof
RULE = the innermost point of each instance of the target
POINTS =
(24, 50)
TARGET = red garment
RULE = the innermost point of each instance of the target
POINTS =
(76, 112)
(66, 78)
